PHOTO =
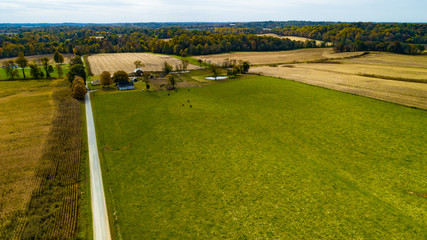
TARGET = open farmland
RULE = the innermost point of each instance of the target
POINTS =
(40, 154)
(390, 77)
(26, 115)
(124, 61)
(260, 58)
(294, 38)
(262, 158)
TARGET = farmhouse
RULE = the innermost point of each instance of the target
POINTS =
(124, 85)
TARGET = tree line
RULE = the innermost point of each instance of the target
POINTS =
(401, 38)
(198, 39)
(114, 39)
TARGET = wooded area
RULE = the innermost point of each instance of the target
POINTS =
(200, 39)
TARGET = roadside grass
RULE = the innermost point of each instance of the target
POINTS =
(84, 227)
(262, 158)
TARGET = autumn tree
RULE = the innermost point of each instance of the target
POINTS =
(244, 67)
(172, 80)
(138, 64)
(167, 68)
(76, 70)
(9, 68)
(47, 67)
(120, 76)
(215, 70)
(106, 79)
(35, 71)
(76, 60)
(78, 88)
(184, 64)
(146, 78)
(59, 59)
(22, 62)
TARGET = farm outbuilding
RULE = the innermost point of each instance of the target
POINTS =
(124, 85)
(138, 72)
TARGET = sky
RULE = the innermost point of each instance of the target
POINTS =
(131, 11)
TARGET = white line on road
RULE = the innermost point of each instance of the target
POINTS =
(101, 228)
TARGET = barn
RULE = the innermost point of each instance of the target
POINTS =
(124, 85)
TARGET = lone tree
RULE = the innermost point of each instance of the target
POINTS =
(59, 59)
(106, 79)
(76, 60)
(167, 68)
(138, 64)
(79, 89)
(120, 76)
(76, 70)
(184, 64)
(22, 62)
(244, 67)
(172, 80)
(146, 77)
(47, 67)
(35, 71)
(9, 68)
(215, 70)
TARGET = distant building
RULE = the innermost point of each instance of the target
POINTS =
(96, 82)
(124, 85)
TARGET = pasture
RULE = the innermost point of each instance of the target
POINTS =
(391, 77)
(261, 158)
(291, 56)
(113, 62)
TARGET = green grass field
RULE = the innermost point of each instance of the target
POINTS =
(4, 76)
(262, 158)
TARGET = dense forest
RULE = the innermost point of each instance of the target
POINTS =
(397, 37)
(206, 38)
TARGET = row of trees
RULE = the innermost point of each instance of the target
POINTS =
(11, 66)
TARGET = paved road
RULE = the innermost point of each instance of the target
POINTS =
(101, 228)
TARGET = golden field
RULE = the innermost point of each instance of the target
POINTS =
(291, 56)
(396, 78)
(113, 62)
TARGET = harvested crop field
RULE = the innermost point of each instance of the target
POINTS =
(25, 121)
(380, 75)
(293, 38)
(113, 62)
(260, 58)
